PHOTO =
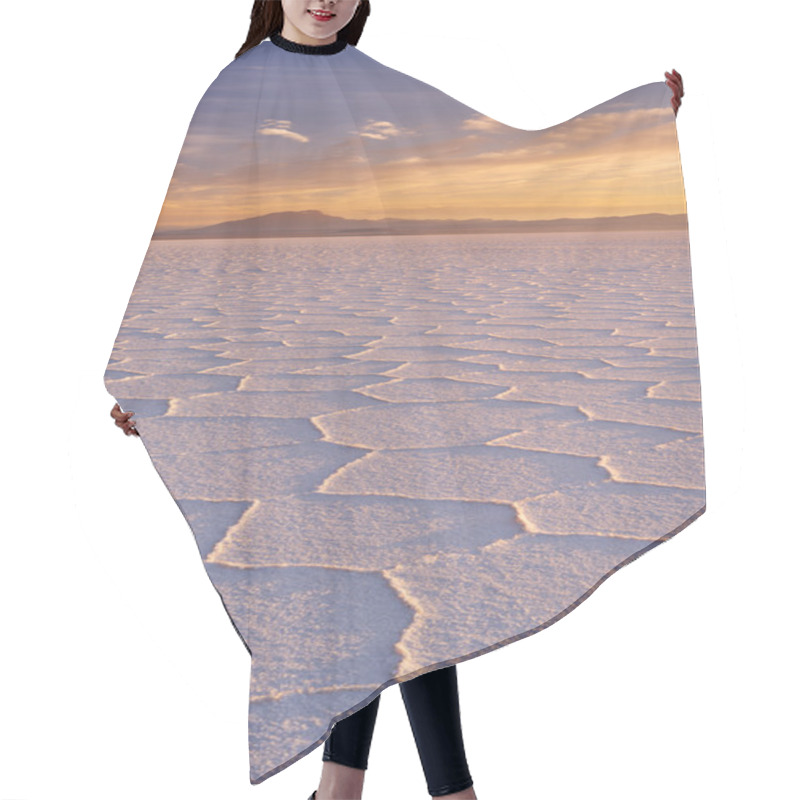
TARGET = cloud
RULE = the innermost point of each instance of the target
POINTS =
(482, 123)
(381, 129)
(280, 127)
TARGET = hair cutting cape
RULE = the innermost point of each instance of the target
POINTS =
(419, 381)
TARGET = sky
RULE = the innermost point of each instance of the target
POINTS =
(345, 135)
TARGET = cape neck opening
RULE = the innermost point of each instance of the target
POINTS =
(309, 49)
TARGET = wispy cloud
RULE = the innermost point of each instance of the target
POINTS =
(381, 129)
(483, 124)
(280, 127)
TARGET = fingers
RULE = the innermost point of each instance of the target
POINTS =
(675, 82)
(122, 419)
(120, 415)
(128, 427)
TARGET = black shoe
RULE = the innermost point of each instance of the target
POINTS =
(313, 795)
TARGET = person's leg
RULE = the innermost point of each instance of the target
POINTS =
(433, 710)
(346, 754)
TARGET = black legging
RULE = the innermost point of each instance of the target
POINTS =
(433, 711)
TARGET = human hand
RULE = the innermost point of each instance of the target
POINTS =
(123, 420)
(675, 82)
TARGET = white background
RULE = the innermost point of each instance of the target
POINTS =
(121, 675)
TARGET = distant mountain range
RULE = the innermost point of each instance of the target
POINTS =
(315, 223)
